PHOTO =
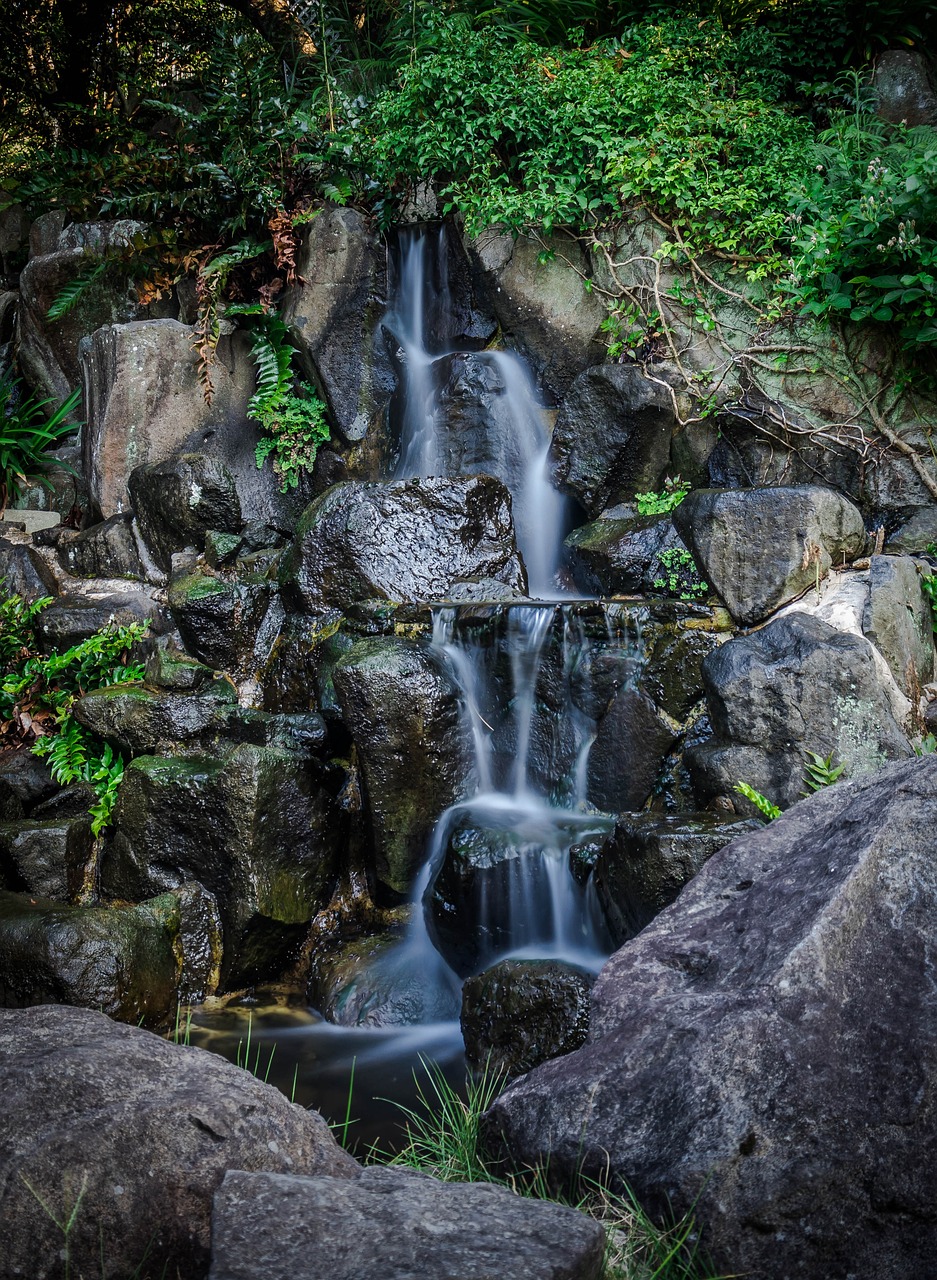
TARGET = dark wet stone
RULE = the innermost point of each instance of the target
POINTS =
(916, 534)
(47, 857)
(520, 1013)
(178, 501)
(618, 556)
(147, 1127)
(106, 550)
(227, 622)
(72, 618)
(630, 745)
(24, 573)
(25, 781)
(395, 1224)
(765, 1052)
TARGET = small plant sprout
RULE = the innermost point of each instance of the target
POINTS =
(820, 771)
(761, 803)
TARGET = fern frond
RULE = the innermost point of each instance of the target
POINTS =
(71, 294)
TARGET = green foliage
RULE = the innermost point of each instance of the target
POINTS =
(658, 504)
(27, 430)
(927, 747)
(761, 803)
(38, 690)
(71, 294)
(679, 576)
(820, 771)
(929, 587)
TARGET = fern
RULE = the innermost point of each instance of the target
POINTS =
(71, 294)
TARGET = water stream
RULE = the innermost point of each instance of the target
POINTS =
(498, 879)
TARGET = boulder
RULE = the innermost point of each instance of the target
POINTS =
(409, 540)
(543, 308)
(764, 1053)
(395, 1224)
(618, 555)
(76, 615)
(228, 621)
(49, 857)
(649, 858)
(145, 404)
(916, 533)
(612, 437)
(139, 1130)
(120, 960)
(899, 621)
(904, 88)
(106, 550)
(178, 501)
(631, 741)
(334, 314)
(520, 1013)
(25, 781)
(402, 711)
(24, 573)
(797, 685)
(761, 548)
(255, 827)
(48, 350)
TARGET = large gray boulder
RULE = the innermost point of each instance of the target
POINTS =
(612, 436)
(144, 403)
(394, 1224)
(761, 548)
(543, 307)
(403, 714)
(765, 1053)
(904, 88)
(797, 685)
(135, 1134)
(409, 540)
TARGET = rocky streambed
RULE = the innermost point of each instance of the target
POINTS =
(429, 737)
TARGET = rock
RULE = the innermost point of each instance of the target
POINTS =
(178, 501)
(630, 744)
(796, 685)
(395, 1224)
(520, 1013)
(764, 1053)
(106, 550)
(612, 437)
(761, 548)
(649, 859)
(403, 714)
(146, 374)
(48, 350)
(930, 717)
(334, 315)
(169, 668)
(228, 622)
(148, 1129)
(25, 782)
(904, 88)
(916, 534)
(408, 540)
(120, 960)
(899, 621)
(24, 573)
(255, 827)
(47, 858)
(74, 617)
(672, 676)
(618, 556)
(542, 307)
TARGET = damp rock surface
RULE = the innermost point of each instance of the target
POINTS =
(765, 1051)
(392, 1224)
(143, 1131)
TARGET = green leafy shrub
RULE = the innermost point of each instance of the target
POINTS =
(38, 690)
(657, 504)
(679, 576)
(27, 431)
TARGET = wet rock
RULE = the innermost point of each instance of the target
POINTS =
(402, 712)
(227, 622)
(630, 744)
(612, 437)
(255, 827)
(106, 550)
(765, 1051)
(46, 857)
(672, 676)
(407, 540)
(334, 313)
(147, 1127)
(899, 621)
(395, 1224)
(24, 573)
(904, 88)
(74, 617)
(221, 549)
(916, 534)
(761, 548)
(520, 1013)
(179, 500)
(25, 781)
(618, 555)
(48, 350)
(120, 960)
(542, 308)
(170, 668)
(796, 685)
(651, 856)
(771, 445)
(146, 374)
